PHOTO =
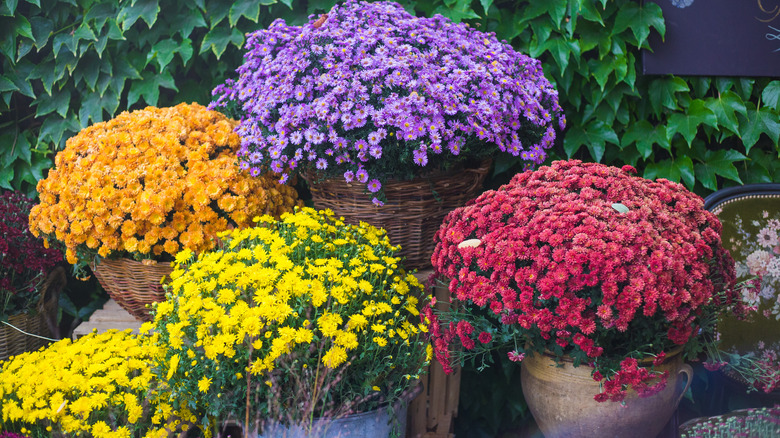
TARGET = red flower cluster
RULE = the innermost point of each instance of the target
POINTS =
(572, 253)
(24, 260)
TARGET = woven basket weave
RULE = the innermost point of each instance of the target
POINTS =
(133, 285)
(40, 323)
(414, 209)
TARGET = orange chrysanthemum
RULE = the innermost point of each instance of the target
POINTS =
(149, 183)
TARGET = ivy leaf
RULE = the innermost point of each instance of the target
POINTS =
(726, 106)
(100, 13)
(687, 123)
(42, 28)
(45, 72)
(645, 135)
(639, 18)
(8, 8)
(94, 104)
(189, 22)
(6, 176)
(163, 52)
(557, 10)
(217, 12)
(22, 27)
(244, 8)
(59, 102)
(218, 38)
(459, 11)
(560, 49)
(83, 32)
(594, 136)
(720, 162)
(661, 92)
(149, 87)
(486, 5)
(771, 95)
(146, 10)
(762, 120)
(6, 85)
(681, 168)
(589, 12)
(54, 128)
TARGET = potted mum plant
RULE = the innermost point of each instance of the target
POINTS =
(99, 385)
(374, 105)
(585, 269)
(292, 326)
(133, 191)
(30, 280)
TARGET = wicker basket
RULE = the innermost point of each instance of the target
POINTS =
(414, 209)
(42, 323)
(133, 285)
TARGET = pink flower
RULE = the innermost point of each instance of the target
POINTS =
(514, 356)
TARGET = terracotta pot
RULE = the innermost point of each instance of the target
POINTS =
(561, 401)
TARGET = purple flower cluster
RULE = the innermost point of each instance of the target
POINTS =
(370, 92)
(24, 260)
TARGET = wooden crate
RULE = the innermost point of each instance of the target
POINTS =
(111, 316)
(432, 413)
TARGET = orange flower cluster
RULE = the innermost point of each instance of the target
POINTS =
(152, 182)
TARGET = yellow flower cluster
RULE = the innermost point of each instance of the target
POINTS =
(150, 182)
(306, 292)
(99, 386)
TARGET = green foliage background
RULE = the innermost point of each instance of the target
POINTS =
(68, 63)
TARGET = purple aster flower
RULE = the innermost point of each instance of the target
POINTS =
(255, 171)
(243, 165)
(277, 166)
(283, 178)
(349, 176)
(322, 164)
(374, 185)
(420, 157)
(412, 80)
(377, 202)
(362, 175)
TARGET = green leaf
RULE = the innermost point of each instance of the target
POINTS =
(561, 49)
(725, 107)
(146, 10)
(6, 176)
(185, 50)
(100, 13)
(681, 168)
(661, 92)
(720, 162)
(94, 104)
(244, 8)
(23, 28)
(149, 87)
(45, 72)
(757, 122)
(35, 2)
(64, 39)
(639, 18)
(557, 10)
(771, 95)
(6, 85)
(42, 28)
(217, 12)
(594, 136)
(486, 5)
(114, 32)
(84, 33)
(163, 52)
(459, 11)
(54, 128)
(589, 12)
(218, 38)
(645, 135)
(8, 8)
(59, 102)
(687, 123)
(190, 21)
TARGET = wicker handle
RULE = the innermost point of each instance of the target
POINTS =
(50, 297)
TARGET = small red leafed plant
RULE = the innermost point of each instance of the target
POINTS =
(587, 261)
